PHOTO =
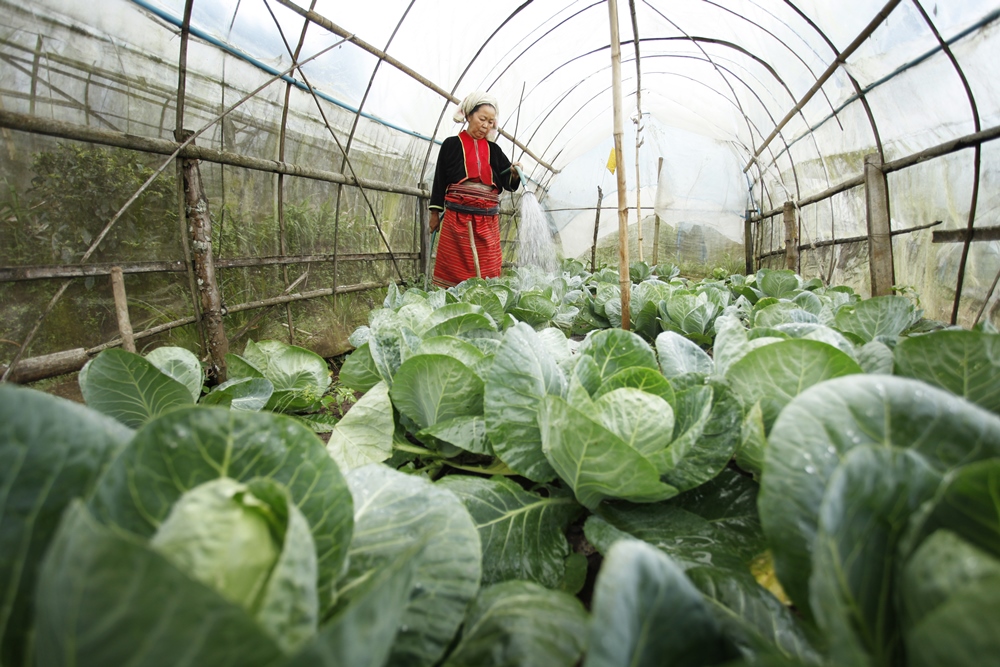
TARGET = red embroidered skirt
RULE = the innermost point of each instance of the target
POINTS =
(455, 261)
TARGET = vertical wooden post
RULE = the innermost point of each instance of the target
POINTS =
(180, 134)
(624, 280)
(597, 226)
(121, 308)
(748, 241)
(423, 218)
(34, 75)
(656, 216)
(879, 237)
(200, 224)
(791, 238)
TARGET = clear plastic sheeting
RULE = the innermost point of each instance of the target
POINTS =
(748, 104)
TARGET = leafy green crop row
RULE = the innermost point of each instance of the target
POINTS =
(747, 421)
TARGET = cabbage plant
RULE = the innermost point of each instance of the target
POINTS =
(270, 375)
(804, 478)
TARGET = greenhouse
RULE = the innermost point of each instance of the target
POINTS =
(535, 333)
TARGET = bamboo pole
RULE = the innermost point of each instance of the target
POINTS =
(597, 226)
(63, 130)
(32, 369)
(425, 238)
(991, 233)
(638, 128)
(624, 281)
(23, 273)
(258, 316)
(121, 309)
(656, 216)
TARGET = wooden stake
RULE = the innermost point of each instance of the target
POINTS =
(475, 254)
(624, 281)
(879, 235)
(121, 308)
(656, 216)
(597, 226)
(748, 242)
(425, 238)
(791, 238)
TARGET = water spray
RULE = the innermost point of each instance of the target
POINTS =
(535, 246)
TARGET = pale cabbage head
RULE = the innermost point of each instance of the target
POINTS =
(222, 535)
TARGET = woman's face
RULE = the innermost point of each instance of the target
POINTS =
(481, 121)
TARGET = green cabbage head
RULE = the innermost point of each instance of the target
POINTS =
(223, 535)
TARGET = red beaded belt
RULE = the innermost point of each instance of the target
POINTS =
(474, 198)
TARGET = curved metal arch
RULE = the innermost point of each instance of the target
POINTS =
(747, 149)
(812, 135)
(777, 77)
(350, 141)
(724, 43)
(854, 82)
(773, 36)
(605, 89)
(744, 147)
(458, 81)
(540, 38)
(697, 40)
(566, 94)
(976, 163)
(992, 17)
(795, 175)
(282, 136)
(710, 61)
(864, 102)
(687, 37)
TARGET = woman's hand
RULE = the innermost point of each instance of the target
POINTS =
(515, 172)
(435, 221)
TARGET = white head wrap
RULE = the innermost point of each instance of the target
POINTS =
(473, 100)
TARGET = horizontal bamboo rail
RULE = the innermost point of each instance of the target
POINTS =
(62, 130)
(960, 235)
(961, 143)
(849, 239)
(22, 273)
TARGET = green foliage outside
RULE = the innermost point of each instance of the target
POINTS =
(75, 191)
(53, 215)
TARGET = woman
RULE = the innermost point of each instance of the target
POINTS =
(471, 172)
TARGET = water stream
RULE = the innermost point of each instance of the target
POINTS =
(535, 245)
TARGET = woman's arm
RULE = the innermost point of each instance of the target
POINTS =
(504, 174)
(446, 157)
